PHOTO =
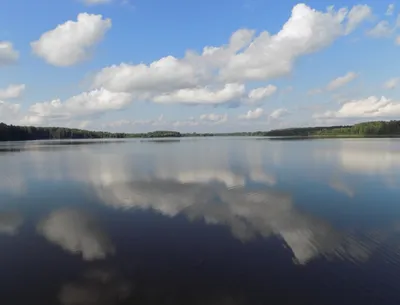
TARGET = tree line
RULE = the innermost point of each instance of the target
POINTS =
(376, 128)
(23, 133)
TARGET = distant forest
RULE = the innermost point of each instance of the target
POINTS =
(23, 133)
(367, 129)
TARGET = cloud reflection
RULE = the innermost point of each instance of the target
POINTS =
(360, 156)
(10, 222)
(341, 187)
(213, 184)
(261, 212)
(96, 287)
(369, 157)
(248, 214)
(76, 232)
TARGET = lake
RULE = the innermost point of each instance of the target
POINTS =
(204, 221)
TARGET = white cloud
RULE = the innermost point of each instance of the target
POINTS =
(262, 93)
(230, 92)
(335, 84)
(252, 114)
(214, 118)
(279, 113)
(204, 119)
(391, 83)
(269, 56)
(341, 81)
(95, 2)
(76, 232)
(7, 53)
(73, 41)
(8, 110)
(314, 91)
(120, 123)
(371, 107)
(357, 15)
(247, 57)
(382, 29)
(390, 10)
(12, 91)
(397, 41)
(189, 122)
(166, 74)
(288, 89)
(84, 104)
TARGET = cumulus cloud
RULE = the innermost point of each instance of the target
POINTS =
(76, 232)
(341, 81)
(166, 74)
(10, 222)
(84, 104)
(188, 122)
(335, 83)
(261, 93)
(357, 15)
(381, 30)
(279, 113)
(12, 91)
(204, 119)
(247, 57)
(230, 92)
(73, 41)
(371, 107)
(8, 55)
(214, 118)
(391, 83)
(95, 2)
(151, 122)
(8, 110)
(268, 56)
(252, 114)
(314, 91)
(390, 10)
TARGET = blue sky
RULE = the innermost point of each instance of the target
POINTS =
(198, 66)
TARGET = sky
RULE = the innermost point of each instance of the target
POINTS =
(198, 66)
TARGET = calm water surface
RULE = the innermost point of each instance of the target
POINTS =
(200, 221)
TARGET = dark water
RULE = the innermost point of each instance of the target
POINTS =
(200, 221)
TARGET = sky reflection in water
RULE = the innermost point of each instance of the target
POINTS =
(201, 221)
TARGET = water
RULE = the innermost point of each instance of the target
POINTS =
(221, 221)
